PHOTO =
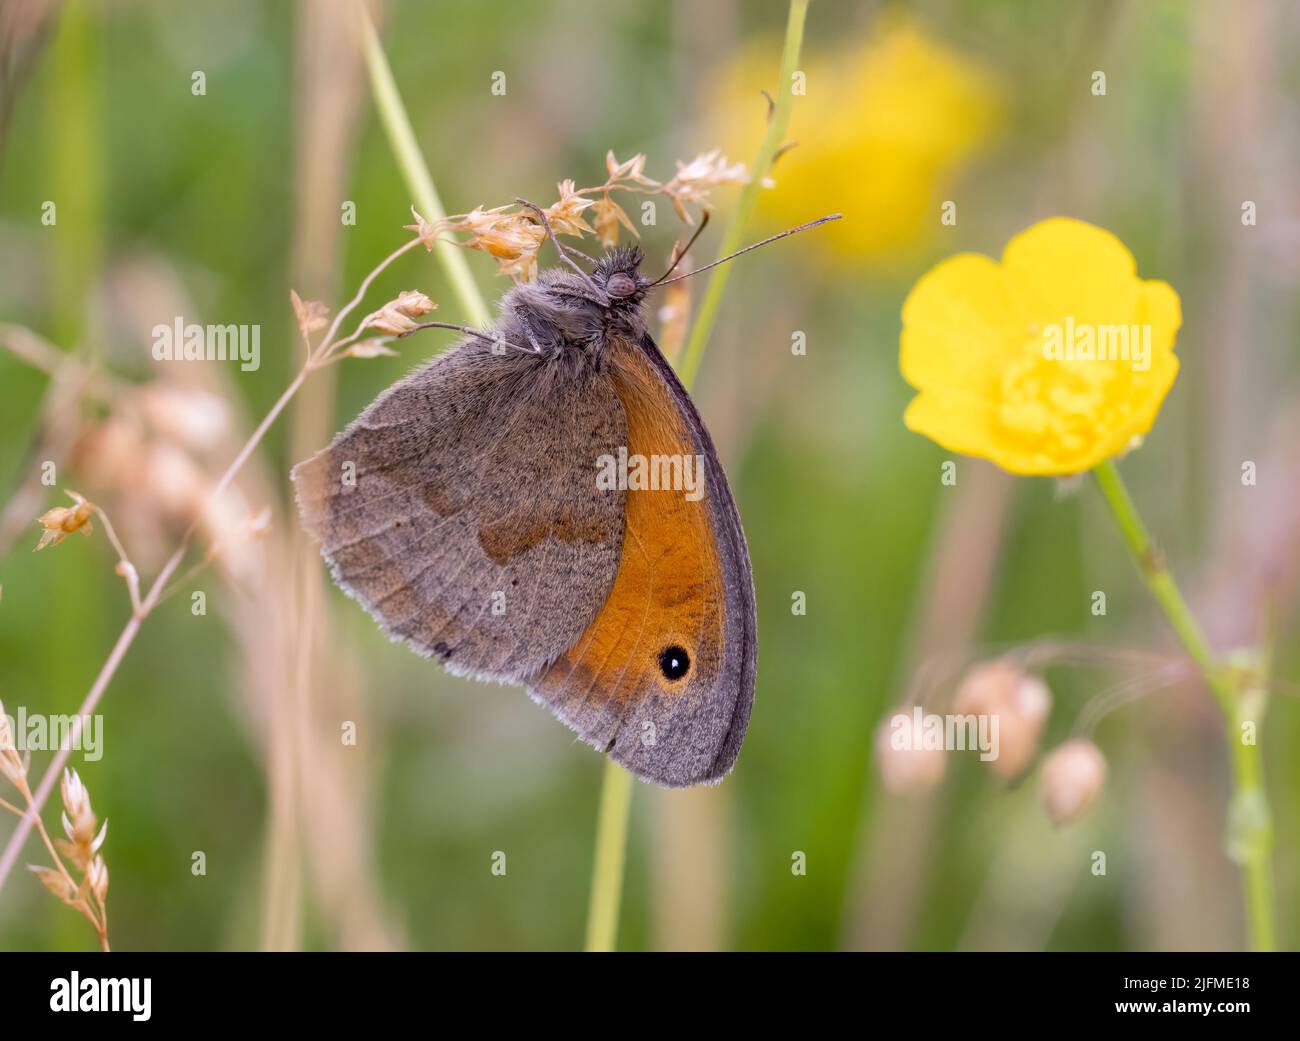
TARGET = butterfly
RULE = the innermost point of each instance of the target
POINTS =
(470, 510)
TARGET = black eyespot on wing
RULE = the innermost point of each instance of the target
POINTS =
(674, 662)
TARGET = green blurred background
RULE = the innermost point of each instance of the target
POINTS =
(221, 737)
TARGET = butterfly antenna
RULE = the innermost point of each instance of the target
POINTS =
(733, 256)
(677, 257)
(564, 256)
(573, 251)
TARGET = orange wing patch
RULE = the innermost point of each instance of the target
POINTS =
(668, 592)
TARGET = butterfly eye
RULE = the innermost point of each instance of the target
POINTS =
(620, 285)
(674, 662)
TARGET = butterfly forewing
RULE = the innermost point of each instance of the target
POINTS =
(450, 510)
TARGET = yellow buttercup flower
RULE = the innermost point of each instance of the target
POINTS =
(1049, 362)
(882, 128)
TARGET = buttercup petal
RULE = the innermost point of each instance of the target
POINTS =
(1062, 267)
(1159, 307)
(960, 423)
(1149, 397)
(956, 324)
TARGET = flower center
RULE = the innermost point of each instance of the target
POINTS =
(1059, 408)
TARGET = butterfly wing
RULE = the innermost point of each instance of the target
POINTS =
(683, 591)
(461, 510)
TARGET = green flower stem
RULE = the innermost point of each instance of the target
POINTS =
(616, 788)
(611, 850)
(1241, 697)
(1151, 564)
(401, 139)
(777, 125)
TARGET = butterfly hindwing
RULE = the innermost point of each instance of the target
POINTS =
(683, 593)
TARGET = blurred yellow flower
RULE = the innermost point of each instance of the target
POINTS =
(883, 128)
(1049, 362)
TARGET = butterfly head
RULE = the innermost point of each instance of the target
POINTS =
(618, 275)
